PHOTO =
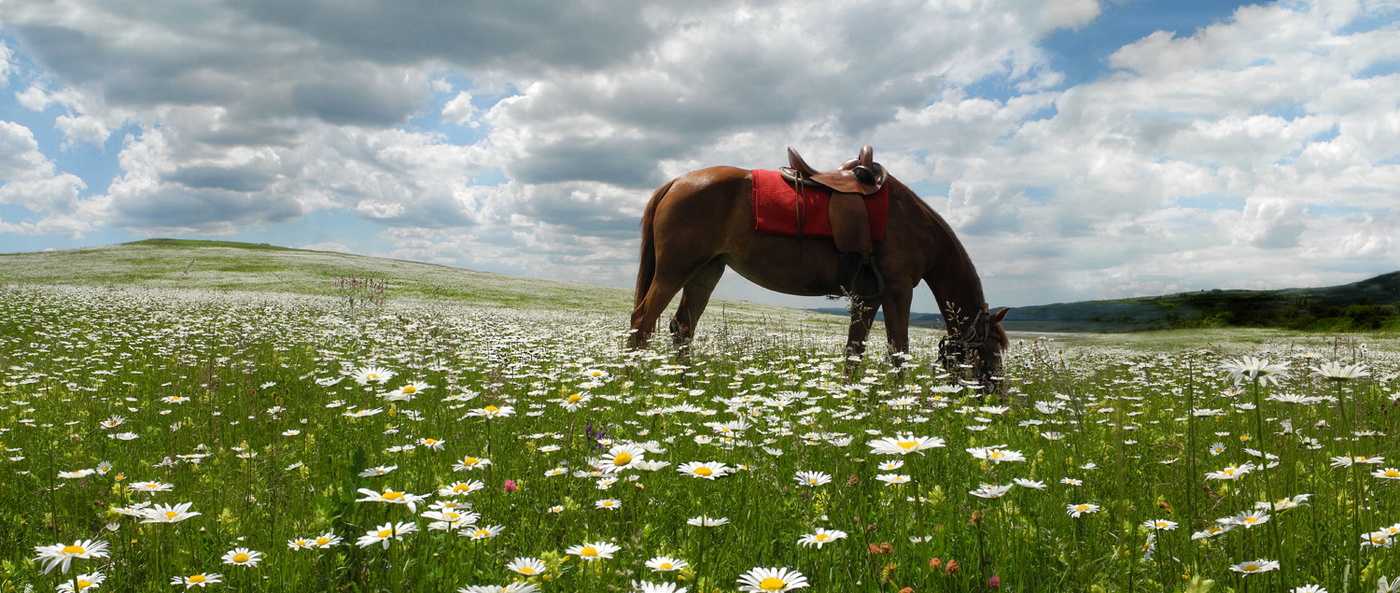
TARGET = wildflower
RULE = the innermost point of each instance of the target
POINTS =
(1388, 473)
(1377, 539)
(1160, 525)
(477, 532)
(1071, 481)
(470, 463)
(372, 374)
(813, 479)
(151, 487)
(608, 503)
(492, 412)
(199, 580)
(1033, 484)
(242, 557)
(821, 537)
(1335, 371)
(645, 587)
(164, 513)
(527, 566)
(1256, 369)
(996, 454)
(1075, 510)
(461, 488)
(894, 479)
(516, 587)
(328, 539)
(990, 491)
(1231, 472)
(1212, 531)
(903, 444)
(300, 543)
(448, 520)
(384, 533)
(63, 555)
(706, 521)
(1388, 587)
(509, 486)
(82, 582)
(621, 457)
(709, 470)
(392, 496)
(1310, 588)
(1254, 566)
(73, 475)
(378, 471)
(593, 551)
(768, 580)
(666, 564)
(1250, 518)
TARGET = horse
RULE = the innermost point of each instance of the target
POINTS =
(698, 224)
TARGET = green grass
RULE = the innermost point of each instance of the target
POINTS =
(242, 401)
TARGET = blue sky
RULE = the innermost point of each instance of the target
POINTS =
(1080, 148)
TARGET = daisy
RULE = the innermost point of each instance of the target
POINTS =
(575, 401)
(1311, 588)
(1250, 518)
(821, 537)
(903, 444)
(471, 463)
(1377, 539)
(461, 488)
(151, 487)
(242, 557)
(890, 466)
(327, 539)
(1251, 368)
(608, 503)
(516, 587)
(300, 543)
(378, 471)
(593, 551)
(666, 564)
(406, 392)
(200, 580)
(450, 520)
(709, 470)
(768, 580)
(1076, 510)
(996, 454)
(991, 491)
(1388, 473)
(367, 375)
(1071, 481)
(706, 521)
(1212, 531)
(63, 555)
(1160, 525)
(492, 412)
(812, 479)
(477, 532)
(894, 479)
(1034, 484)
(1391, 587)
(645, 587)
(164, 513)
(82, 582)
(621, 457)
(434, 444)
(527, 566)
(1231, 472)
(384, 533)
(1336, 371)
(1254, 566)
(392, 496)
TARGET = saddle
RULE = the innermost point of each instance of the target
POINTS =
(850, 221)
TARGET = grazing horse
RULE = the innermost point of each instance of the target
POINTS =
(702, 221)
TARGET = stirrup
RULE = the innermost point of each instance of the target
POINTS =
(850, 285)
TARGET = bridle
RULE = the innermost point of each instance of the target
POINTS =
(955, 347)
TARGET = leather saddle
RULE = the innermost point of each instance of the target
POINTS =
(860, 175)
(850, 221)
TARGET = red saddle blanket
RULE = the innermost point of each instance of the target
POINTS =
(775, 207)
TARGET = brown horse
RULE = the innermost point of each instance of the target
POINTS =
(702, 221)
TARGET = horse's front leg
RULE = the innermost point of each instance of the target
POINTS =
(862, 317)
(896, 304)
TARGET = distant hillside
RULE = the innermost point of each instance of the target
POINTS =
(1371, 304)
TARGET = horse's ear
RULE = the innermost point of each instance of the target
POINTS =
(1000, 315)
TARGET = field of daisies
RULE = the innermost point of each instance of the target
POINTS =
(163, 440)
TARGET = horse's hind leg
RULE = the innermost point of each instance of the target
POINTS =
(693, 300)
(668, 280)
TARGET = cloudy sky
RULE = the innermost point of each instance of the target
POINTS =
(1080, 148)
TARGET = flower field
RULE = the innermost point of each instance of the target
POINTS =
(162, 440)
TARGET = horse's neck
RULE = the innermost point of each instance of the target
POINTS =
(953, 280)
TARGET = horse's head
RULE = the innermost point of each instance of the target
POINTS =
(974, 351)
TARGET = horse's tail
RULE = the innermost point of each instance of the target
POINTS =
(647, 268)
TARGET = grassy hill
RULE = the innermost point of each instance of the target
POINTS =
(232, 266)
(1370, 304)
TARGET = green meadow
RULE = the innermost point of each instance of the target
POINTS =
(246, 418)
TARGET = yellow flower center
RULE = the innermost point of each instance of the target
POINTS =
(409, 389)
(430, 441)
(240, 557)
(823, 537)
(372, 377)
(704, 471)
(665, 566)
(1390, 473)
(906, 445)
(1251, 567)
(526, 570)
(451, 516)
(1082, 507)
(74, 549)
(199, 578)
(492, 409)
(84, 584)
(391, 495)
(1251, 520)
(470, 461)
(575, 398)
(321, 541)
(481, 533)
(170, 515)
(622, 459)
(461, 488)
(772, 584)
(588, 551)
(812, 481)
(385, 533)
